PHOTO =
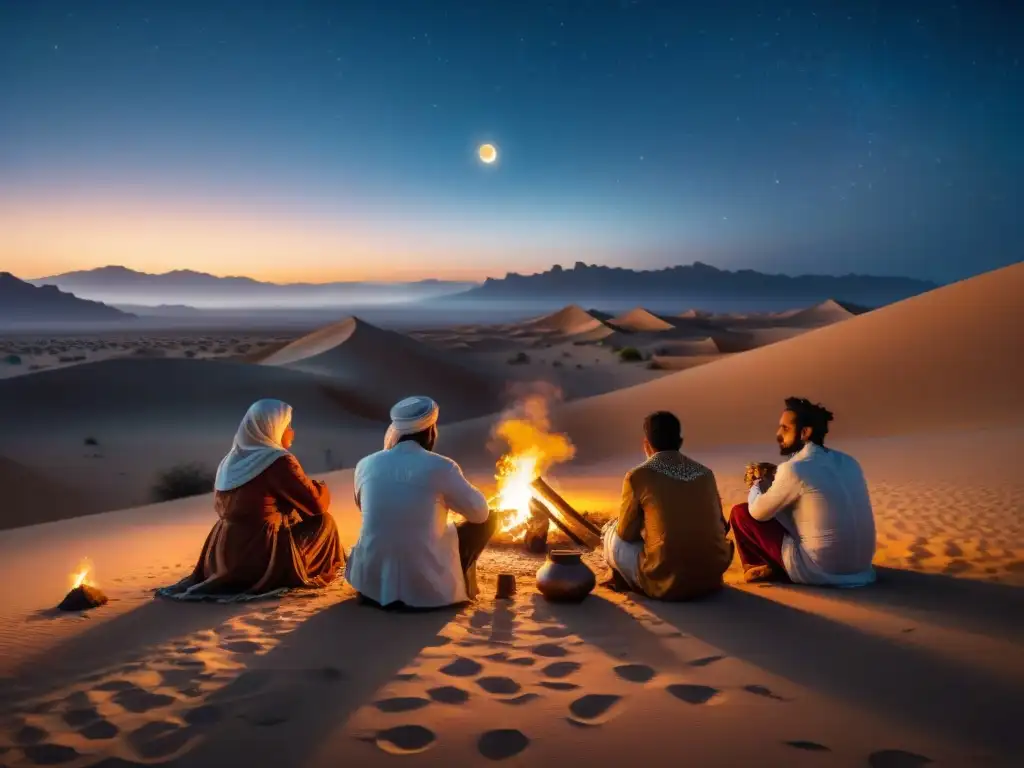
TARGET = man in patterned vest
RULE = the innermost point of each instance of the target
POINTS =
(669, 541)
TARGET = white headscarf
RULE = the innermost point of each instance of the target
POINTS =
(257, 444)
(409, 416)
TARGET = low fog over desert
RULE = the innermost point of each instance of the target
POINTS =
(486, 383)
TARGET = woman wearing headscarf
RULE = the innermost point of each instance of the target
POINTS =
(273, 530)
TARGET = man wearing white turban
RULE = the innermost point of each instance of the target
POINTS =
(408, 554)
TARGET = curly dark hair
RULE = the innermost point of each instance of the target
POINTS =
(813, 415)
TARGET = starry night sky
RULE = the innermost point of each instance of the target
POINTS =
(337, 140)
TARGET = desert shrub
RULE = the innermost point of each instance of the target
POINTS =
(579, 365)
(519, 358)
(91, 441)
(556, 363)
(182, 481)
(630, 355)
(13, 359)
(567, 354)
(190, 353)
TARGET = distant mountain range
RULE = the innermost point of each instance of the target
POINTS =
(22, 302)
(586, 282)
(123, 286)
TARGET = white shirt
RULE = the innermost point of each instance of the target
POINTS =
(407, 550)
(821, 498)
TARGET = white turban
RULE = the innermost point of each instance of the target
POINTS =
(257, 444)
(412, 415)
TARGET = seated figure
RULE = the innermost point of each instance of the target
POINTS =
(273, 530)
(669, 541)
(408, 555)
(812, 522)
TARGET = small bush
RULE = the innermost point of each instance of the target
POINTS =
(13, 359)
(630, 355)
(91, 441)
(190, 353)
(183, 481)
(519, 358)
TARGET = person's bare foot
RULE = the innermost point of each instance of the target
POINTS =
(758, 573)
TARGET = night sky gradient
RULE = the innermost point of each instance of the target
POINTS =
(336, 140)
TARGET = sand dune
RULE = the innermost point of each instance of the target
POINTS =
(31, 497)
(942, 358)
(155, 394)
(640, 320)
(570, 321)
(825, 313)
(381, 367)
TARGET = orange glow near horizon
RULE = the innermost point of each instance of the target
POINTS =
(52, 238)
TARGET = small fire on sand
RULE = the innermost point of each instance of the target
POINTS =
(84, 593)
(532, 450)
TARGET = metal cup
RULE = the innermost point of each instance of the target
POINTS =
(506, 586)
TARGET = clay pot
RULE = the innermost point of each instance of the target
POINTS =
(564, 577)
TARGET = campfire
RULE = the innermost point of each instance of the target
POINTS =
(526, 503)
(84, 594)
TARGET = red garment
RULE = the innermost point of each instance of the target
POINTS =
(758, 543)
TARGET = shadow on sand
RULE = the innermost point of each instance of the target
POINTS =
(903, 683)
(319, 675)
(957, 603)
(126, 638)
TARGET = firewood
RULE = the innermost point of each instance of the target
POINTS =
(577, 527)
(537, 526)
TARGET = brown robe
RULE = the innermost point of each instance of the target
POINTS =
(273, 533)
(671, 504)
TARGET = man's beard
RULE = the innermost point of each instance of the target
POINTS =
(788, 450)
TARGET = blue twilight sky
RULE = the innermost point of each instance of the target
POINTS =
(337, 139)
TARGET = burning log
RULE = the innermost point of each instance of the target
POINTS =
(536, 539)
(83, 594)
(82, 598)
(576, 527)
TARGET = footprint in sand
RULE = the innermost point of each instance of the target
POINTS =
(49, 754)
(79, 717)
(558, 686)
(760, 690)
(139, 701)
(555, 633)
(503, 658)
(448, 694)
(30, 735)
(635, 673)
(560, 669)
(550, 650)
(593, 709)
(500, 686)
(438, 642)
(405, 739)
(242, 646)
(525, 698)
(705, 661)
(407, 677)
(101, 730)
(693, 694)
(159, 739)
(401, 704)
(502, 744)
(462, 667)
(808, 746)
(897, 758)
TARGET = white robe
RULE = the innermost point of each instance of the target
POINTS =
(407, 550)
(821, 498)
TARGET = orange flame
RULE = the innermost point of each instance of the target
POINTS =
(532, 450)
(81, 575)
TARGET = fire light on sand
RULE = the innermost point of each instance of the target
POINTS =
(532, 450)
(82, 575)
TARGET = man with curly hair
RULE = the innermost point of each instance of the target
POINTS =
(812, 522)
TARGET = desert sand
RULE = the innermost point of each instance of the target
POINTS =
(925, 666)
